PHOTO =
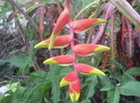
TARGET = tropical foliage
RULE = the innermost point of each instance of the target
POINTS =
(69, 51)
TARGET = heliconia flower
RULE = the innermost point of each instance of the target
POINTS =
(63, 60)
(74, 91)
(62, 20)
(85, 24)
(60, 42)
(89, 49)
(69, 78)
(87, 69)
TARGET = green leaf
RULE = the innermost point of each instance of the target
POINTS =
(47, 101)
(91, 87)
(106, 88)
(55, 91)
(36, 93)
(85, 101)
(130, 88)
(13, 86)
(118, 65)
(5, 99)
(39, 75)
(22, 62)
(53, 76)
(105, 81)
(19, 101)
(64, 71)
(90, 84)
(135, 71)
(113, 96)
(125, 78)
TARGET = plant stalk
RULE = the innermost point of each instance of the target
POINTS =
(127, 10)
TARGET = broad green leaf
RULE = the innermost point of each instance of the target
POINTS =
(135, 71)
(105, 81)
(5, 99)
(107, 88)
(47, 101)
(130, 88)
(85, 101)
(125, 78)
(14, 95)
(19, 101)
(55, 91)
(89, 88)
(53, 76)
(23, 62)
(117, 64)
(39, 75)
(36, 93)
(13, 86)
(64, 71)
(94, 61)
(113, 96)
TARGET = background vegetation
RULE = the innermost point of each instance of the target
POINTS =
(26, 80)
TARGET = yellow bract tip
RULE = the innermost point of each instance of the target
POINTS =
(50, 61)
(102, 21)
(101, 48)
(64, 83)
(41, 45)
(98, 72)
(74, 96)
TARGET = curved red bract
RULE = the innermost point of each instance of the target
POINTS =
(85, 49)
(75, 90)
(83, 24)
(83, 68)
(62, 20)
(61, 40)
(71, 77)
(64, 59)
(75, 87)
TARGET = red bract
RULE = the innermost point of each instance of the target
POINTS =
(87, 69)
(62, 20)
(89, 49)
(74, 91)
(69, 78)
(60, 42)
(72, 78)
(85, 24)
(63, 60)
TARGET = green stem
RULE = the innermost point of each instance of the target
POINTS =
(88, 6)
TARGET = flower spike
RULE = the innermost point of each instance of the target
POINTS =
(85, 24)
(87, 69)
(69, 78)
(63, 60)
(74, 91)
(89, 49)
(62, 20)
(60, 42)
